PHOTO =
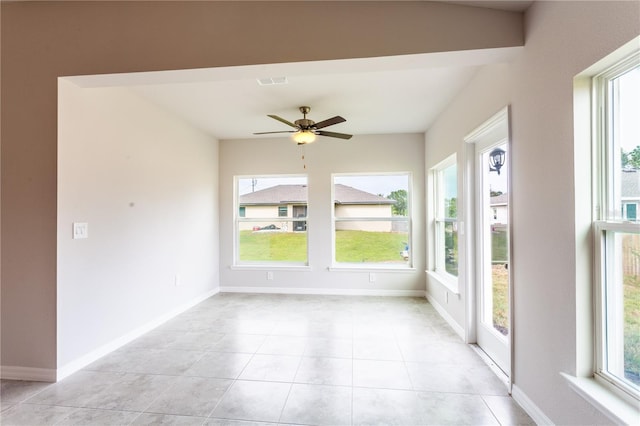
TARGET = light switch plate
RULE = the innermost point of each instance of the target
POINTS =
(80, 230)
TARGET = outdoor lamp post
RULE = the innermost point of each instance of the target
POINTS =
(496, 160)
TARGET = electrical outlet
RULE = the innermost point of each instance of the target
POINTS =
(80, 230)
(177, 281)
(372, 277)
(270, 276)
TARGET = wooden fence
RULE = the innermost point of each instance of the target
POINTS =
(631, 254)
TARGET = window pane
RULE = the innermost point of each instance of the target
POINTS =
(625, 129)
(623, 307)
(450, 191)
(631, 282)
(382, 247)
(361, 205)
(500, 279)
(266, 229)
(495, 236)
(451, 247)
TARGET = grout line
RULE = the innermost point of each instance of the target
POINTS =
(352, 371)
(490, 410)
(233, 380)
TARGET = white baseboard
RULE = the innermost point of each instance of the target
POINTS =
(10, 372)
(448, 318)
(323, 291)
(103, 350)
(530, 407)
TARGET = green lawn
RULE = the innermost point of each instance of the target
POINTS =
(273, 246)
(500, 282)
(351, 246)
(369, 247)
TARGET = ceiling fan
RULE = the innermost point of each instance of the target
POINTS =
(307, 130)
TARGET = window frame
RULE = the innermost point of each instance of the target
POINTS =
(608, 220)
(237, 220)
(408, 266)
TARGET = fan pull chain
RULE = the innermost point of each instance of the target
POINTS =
(304, 163)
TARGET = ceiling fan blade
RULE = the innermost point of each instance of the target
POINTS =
(329, 122)
(282, 120)
(334, 134)
(282, 131)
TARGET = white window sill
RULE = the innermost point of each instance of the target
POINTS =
(370, 268)
(611, 405)
(450, 284)
(270, 267)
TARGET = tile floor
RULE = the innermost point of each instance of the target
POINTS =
(239, 359)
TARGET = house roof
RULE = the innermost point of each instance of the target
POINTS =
(344, 194)
(630, 183)
(284, 194)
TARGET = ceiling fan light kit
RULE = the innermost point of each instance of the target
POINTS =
(304, 137)
(307, 130)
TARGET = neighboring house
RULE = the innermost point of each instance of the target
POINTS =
(499, 212)
(278, 202)
(290, 201)
(630, 193)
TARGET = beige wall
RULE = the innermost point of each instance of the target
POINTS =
(261, 211)
(42, 41)
(563, 38)
(265, 212)
(353, 210)
(146, 183)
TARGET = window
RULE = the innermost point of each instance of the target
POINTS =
(372, 220)
(445, 179)
(271, 223)
(616, 229)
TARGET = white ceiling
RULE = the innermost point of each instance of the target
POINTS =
(399, 94)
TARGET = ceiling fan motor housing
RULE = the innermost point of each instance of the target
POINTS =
(304, 123)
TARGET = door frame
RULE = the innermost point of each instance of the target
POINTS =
(490, 129)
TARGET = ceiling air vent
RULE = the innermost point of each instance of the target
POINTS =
(270, 81)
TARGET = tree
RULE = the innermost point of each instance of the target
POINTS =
(451, 207)
(631, 158)
(495, 193)
(400, 198)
